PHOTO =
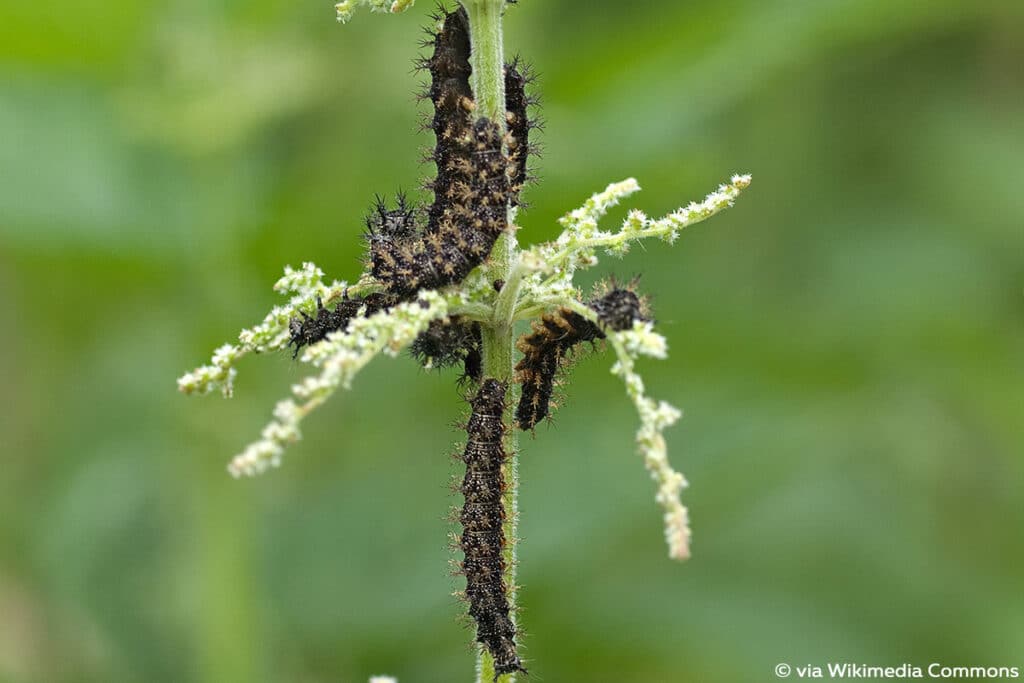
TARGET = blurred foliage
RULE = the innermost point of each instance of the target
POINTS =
(848, 343)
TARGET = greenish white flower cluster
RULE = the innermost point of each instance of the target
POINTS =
(272, 334)
(346, 8)
(383, 679)
(577, 246)
(340, 357)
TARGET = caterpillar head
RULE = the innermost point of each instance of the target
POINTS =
(619, 306)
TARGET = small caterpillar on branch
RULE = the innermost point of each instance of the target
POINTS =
(551, 338)
(309, 330)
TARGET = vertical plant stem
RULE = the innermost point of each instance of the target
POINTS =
(487, 57)
(488, 82)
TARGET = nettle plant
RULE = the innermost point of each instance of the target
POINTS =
(449, 281)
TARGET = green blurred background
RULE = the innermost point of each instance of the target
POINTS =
(847, 342)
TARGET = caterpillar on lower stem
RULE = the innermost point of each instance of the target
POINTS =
(546, 346)
(483, 535)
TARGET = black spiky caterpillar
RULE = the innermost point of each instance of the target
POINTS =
(470, 220)
(450, 342)
(450, 72)
(519, 124)
(452, 99)
(403, 254)
(470, 189)
(399, 227)
(309, 330)
(483, 536)
(549, 341)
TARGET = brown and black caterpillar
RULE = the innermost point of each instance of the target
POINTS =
(471, 188)
(309, 329)
(483, 536)
(551, 338)
(519, 125)
(412, 247)
(470, 216)
(452, 98)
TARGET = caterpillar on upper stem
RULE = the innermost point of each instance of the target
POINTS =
(519, 124)
(462, 225)
(413, 247)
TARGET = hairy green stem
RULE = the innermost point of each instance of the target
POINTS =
(487, 57)
(488, 82)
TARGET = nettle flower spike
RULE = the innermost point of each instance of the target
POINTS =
(340, 356)
(272, 334)
(446, 279)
